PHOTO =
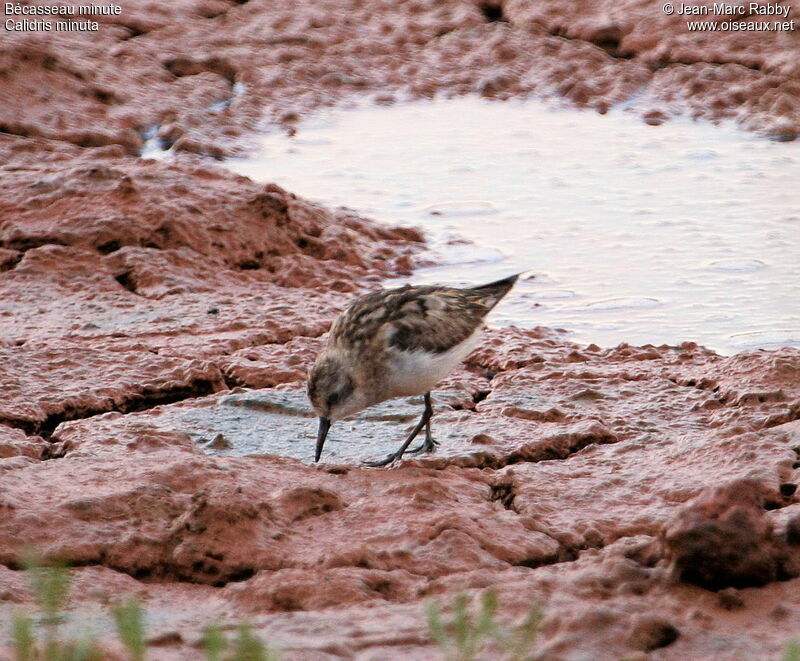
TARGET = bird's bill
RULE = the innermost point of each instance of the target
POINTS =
(324, 426)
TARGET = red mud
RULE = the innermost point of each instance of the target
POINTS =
(179, 66)
(643, 497)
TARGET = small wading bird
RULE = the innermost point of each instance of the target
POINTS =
(398, 343)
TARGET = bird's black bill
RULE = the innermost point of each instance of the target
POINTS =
(324, 426)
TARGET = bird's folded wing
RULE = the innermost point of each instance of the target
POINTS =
(427, 318)
(434, 331)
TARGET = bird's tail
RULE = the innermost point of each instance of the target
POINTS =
(490, 295)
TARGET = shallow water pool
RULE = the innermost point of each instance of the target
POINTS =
(632, 233)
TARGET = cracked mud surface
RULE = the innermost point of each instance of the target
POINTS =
(157, 321)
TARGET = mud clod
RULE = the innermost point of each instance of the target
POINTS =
(651, 632)
(723, 539)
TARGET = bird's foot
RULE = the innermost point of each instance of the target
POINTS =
(378, 463)
(428, 445)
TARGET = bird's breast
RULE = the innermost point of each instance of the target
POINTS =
(416, 372)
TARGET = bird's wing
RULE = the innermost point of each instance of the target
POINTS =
(427, 318)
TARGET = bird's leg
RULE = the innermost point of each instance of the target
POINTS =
(429, 445)
(424, 421)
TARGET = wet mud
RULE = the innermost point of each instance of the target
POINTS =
(157, 321)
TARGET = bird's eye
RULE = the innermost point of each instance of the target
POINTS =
(333, 399)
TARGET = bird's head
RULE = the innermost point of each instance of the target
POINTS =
(333, 393)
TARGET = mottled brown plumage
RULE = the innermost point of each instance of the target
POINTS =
(398, 342)
(427, 317)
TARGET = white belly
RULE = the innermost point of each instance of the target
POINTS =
(417, 372)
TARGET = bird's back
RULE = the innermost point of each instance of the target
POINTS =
(429, 318)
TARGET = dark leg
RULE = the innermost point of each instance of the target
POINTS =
(424, 421)
(429, 445)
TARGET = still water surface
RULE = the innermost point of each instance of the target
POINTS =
(632, 233)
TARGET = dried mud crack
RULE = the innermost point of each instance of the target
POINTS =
(135, 403)
(576, 478)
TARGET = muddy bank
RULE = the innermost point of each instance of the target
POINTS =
(578, 478)
(123, 277)
(200, 74)
(141, 300)
(596, 483)
(566, 474)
